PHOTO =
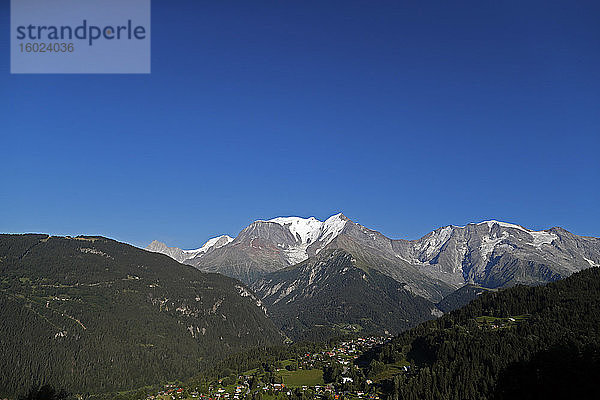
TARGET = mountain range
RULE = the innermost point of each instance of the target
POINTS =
(288, 260)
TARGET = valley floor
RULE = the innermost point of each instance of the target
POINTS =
(328, 374)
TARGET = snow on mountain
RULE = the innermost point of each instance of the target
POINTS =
(307, 232)
(488, 244)
(489, 253)
(213, 243)
(432, 243)
(539, 238)
(493, 222)
(332, 227)
(495, 254)
(184, 255)
(490, 238)
(282, 241)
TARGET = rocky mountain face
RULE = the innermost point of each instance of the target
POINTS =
(378, 252)
(496, 254)
(267, 246)
(491, 254)
(93, 314)
(333, 291)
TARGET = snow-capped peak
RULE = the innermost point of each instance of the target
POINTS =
(538, 238)
(492, 222)
(215, 242)
(431, 244)
(184, 255)
(308, 231)
(332, 227)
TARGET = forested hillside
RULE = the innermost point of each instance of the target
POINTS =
(333, 293)
(522, 342)
(89, 314)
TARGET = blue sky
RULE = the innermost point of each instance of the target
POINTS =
(406, 116)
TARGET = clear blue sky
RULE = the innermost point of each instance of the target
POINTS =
(406, 116)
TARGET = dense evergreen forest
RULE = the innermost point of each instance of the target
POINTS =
(92, 315)
(522, 342)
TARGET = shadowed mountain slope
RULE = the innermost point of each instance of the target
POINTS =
(92, 314)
